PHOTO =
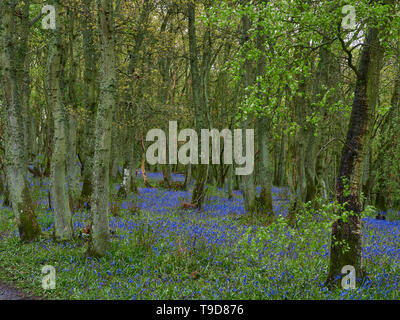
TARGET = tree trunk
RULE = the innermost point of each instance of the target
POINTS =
(198, 195)
(100, 234)
(265, 199)
(281, 161)
(349, 181)
(55, 70)
(247, 182)
(24, 82)
(188, 176)
(133, 165)
(264, 202)
(12, 59)
(90, 99)
(71, 121)
(74, 189)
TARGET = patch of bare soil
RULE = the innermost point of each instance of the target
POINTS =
(9, 293)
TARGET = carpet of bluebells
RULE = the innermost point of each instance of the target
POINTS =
(161, 251)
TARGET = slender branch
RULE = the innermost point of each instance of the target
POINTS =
(329, 142)
(36, 19)
(349, 54)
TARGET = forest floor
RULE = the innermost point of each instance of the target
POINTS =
(159, 250)
(10, 293)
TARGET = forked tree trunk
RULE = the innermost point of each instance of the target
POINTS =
(347, 233)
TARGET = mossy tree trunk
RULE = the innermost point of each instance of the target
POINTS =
(188, 176)
(248, 77)
(265, 198)
(378, 177)
(324, 80)
(12, 61)
(90, 87)
(24, 82)
(100, 233)
(73, 171)
(346, 238)
(264, 201)
(134, 94)
(164, 66)
(55, 70)
(199, 102)
(280, 160)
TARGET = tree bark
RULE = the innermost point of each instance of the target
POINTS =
(247, 182)
(12, 59)
(349, 181)
(59, 196)
(264, 201)
(100, 234)
(73, 171)
(90, 99)
(198, 195)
